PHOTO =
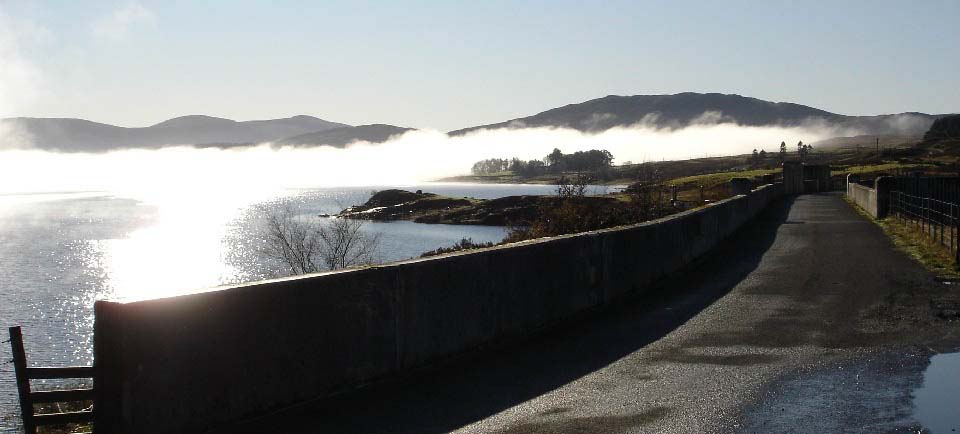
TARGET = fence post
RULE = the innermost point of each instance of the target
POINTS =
(940, 220)
(883, 185)
(955, 232)
(950, 231)
(23, 382)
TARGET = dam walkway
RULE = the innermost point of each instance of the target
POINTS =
(753, 337)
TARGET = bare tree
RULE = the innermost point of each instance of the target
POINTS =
(573, 186)
(344, 244)
(646, 194)
(308, 246)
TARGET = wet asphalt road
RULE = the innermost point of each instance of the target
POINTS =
(793, 324)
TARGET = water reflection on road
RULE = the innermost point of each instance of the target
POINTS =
(937, 401)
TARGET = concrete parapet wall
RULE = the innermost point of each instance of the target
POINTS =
(864, 197)
(190, 363)
(875, 201)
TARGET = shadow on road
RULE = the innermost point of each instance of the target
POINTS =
(476, 387)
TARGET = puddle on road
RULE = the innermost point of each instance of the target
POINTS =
(937, 401)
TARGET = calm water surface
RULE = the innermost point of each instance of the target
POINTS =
(61, 252)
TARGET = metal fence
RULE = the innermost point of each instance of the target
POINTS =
(941, 188)
(936, 218)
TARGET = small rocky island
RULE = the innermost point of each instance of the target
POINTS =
(420, 207)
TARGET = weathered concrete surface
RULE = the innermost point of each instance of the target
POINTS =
(810, 295)
(191, 363)
(865, 197)
(875, 201)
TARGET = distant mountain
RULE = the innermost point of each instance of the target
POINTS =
(683, 109)
(66, 134)
(339, 137)
(662, 111)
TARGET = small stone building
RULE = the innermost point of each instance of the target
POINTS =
(805, 178)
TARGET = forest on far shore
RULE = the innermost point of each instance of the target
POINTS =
(555, 162)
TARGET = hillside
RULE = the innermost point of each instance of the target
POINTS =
(683, 109)
(661, 111)
(867, 141)
(78, 135)
(943, 138)
(946, 128)
(339, 137)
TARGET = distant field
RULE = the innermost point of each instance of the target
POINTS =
(882, 168)
(712, 179)
(867, 142)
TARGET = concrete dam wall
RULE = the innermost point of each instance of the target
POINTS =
(190, 363)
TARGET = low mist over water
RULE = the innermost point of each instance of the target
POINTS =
(416, 156)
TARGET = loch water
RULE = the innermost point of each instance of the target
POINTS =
(60, 252)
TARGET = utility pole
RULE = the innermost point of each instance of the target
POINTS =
(878, 148)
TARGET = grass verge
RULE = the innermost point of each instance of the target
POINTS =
(921, 247)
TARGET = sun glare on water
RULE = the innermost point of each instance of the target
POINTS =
(181, 251)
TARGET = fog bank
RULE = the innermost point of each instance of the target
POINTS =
(413, 157)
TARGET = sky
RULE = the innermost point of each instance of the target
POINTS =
(450, 64)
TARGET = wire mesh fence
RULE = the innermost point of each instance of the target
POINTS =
(936, 218)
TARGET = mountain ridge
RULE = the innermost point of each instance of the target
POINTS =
(687, 108)
(591, 116)
(339, 137)
(81, 135)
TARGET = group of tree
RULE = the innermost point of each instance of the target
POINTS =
(493, 165)
(463, 244)
(555, 162)
(594, 159)
(759, 158)
(803, 150)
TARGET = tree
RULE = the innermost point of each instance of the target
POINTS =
(572, 186)
(646, 194)
(555, 159)
(783, 152)
(308, 246)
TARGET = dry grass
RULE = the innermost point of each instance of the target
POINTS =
(890, 167)
(907, 238)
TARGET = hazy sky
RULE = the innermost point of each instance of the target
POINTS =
(453, 64)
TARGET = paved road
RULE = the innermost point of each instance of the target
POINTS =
(806, 320)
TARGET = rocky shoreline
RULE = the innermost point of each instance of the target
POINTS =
(420, 207)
